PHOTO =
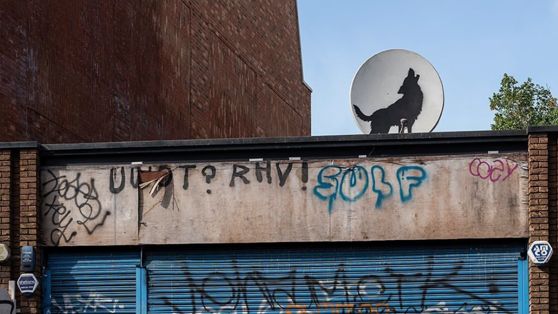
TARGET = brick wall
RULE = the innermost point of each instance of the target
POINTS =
(29, 220)
(5, 213)
(19, 217)
(82, 71)
(15, 219)
(553, 219)
(543, 219)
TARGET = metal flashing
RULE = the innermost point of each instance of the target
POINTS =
(542, 129)
(19, 145)
(316, 147)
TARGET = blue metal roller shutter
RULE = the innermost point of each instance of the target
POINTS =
(91, 282)
(335, 280)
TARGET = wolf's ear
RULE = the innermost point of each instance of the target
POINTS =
(417, 77)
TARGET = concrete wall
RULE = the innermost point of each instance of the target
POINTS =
(84, 71)
(440, 197)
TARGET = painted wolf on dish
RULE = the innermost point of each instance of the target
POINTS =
(406, 108)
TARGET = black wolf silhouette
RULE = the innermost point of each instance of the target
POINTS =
(406, 108)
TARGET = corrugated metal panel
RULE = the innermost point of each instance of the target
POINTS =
(91, 282)
(336, 280)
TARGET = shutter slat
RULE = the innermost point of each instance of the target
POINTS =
(337, 280)
(92, 282)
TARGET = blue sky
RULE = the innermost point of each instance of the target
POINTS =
(470, 43)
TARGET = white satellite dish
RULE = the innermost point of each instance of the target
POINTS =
(397, 91)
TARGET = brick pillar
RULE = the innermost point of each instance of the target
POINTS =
(14, 204)
(29, 219)
(553, 219)
(5, 213)
(538, 220)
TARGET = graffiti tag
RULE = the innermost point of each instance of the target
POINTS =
(351, 183)
(61, 193)
(94, 303)
(497, 170)
(236, 289)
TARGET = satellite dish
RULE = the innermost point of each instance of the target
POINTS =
(397, 91)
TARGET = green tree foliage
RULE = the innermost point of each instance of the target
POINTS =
(518, 106)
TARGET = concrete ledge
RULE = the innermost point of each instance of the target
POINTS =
(18, 145)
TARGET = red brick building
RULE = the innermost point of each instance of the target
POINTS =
(397, 223)
(84, 71)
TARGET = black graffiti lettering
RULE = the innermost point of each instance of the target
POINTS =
(283, 175)
(262, 172)
(192, 287)
(61, 214)
(239, 174)
(61, 194)
(319, 289)
(134, 177)
(57, 235)
(82, 194)
(209, 173)
(90, 211)
(61, 222)
(225, 297)
(49, 186)
(90, 231)
(304, 172)
(186, 172)
(113, 177)
(175, 308)
(266, 169)
(250, 291)
(52, 206)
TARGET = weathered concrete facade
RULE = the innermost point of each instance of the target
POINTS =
(466, 186)
(435, 197)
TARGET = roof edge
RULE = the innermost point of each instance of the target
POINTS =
(286, 141)
(542, 129)
(19, 145)
(312, 147)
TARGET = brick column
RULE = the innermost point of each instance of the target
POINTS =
(29, 219)
(5, 213)
(538, 220)
(553, 219)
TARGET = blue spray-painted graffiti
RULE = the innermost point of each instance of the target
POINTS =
(380, 186)
(351, 183)
(409, 177)
(326, 188)
(355, 190)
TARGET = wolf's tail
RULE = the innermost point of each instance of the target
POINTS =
(361, 115)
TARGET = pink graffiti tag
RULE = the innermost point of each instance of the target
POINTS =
(495, 170)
